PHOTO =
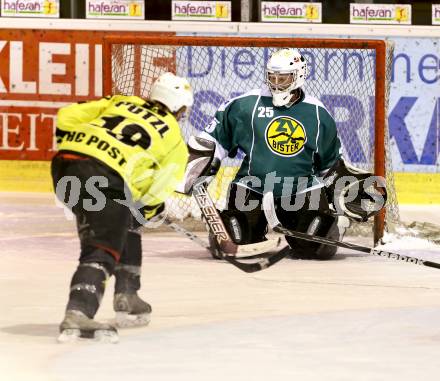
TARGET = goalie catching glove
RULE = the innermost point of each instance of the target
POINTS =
(202, 165)
(353, 192)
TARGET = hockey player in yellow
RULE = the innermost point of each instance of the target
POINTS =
(119, 158)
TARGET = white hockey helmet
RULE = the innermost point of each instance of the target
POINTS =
(286, 71)
(172, 91)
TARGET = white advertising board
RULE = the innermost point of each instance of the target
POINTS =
(435, 14)
(33, 8)
(380, 14)
(115, 9)
(201, 10)
(275, 11)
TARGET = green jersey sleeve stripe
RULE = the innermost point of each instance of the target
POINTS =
(318, 128)
(253, 134)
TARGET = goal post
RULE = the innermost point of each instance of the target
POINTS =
(350, 76)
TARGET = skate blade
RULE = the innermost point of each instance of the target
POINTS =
(69, 336)
(125, 320)
(101, 335)
(106, 336)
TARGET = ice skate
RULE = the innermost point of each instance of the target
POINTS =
(131, 310)
(76, 326)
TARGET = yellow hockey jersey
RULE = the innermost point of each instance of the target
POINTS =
(137, 139)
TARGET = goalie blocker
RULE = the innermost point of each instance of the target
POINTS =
(201, 164)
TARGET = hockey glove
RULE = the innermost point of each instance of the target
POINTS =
(353, 192)
(155, 212)
(202, 165)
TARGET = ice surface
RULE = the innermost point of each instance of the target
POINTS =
(356, 317)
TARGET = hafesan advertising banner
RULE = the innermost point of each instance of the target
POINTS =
(30, 8)
(201, 10)
(435, 14)
(275, 11)
(380, 14)
(115, 9)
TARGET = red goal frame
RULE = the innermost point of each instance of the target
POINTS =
(379, 46)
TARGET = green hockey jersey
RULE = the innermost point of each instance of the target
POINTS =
(280, 144)
(139, 141)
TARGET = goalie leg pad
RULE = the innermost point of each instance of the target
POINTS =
(245, 228)
(315, 223)
(248, 226)
(239, 229)
(336, 231)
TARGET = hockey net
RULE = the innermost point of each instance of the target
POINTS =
(351, 78)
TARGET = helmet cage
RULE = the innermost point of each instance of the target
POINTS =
(286, 70)
(280, 82)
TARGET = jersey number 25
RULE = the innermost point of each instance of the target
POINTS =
(265, 112)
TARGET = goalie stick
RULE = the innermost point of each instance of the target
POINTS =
(247, 267)
(269, 250)
(275, 224)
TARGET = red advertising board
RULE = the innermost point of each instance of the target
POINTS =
(40, 71)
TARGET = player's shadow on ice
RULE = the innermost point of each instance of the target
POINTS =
(349, 255)
(198, 254)
(337, 257)
(204, 255)
(42, 330)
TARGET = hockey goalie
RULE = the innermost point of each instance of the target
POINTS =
(291, 148)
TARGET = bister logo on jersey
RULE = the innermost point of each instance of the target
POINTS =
(285, 136)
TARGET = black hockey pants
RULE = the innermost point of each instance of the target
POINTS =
(106, 233)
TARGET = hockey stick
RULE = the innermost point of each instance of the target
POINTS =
(269, 249)
(246, 267)
(275, 224)
(193, 237)
(262, 264)
(215, 224)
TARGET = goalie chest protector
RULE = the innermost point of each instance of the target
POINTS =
(287, 142)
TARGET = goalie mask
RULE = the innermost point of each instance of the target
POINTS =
(172, 91)
(286, 71)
